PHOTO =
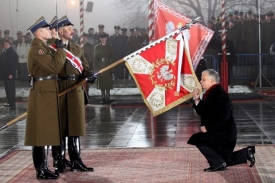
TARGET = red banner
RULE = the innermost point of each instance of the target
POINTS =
(164, 73)
(167, 20)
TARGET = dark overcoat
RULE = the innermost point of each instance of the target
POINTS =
(8, 62)
(104, 56)
(72, 108)
(42, 125)
(216, 114)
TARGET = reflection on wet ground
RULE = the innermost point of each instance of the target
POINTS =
(133, 126)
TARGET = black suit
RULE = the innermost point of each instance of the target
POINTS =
(218, 143)
(8, 63)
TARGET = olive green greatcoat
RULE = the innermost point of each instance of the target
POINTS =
(42, 126)
(104, 56)
(72, 108)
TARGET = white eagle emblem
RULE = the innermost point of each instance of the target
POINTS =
(165, 73)
(170, 27)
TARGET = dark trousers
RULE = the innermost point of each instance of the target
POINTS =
(215, 159)
(10, 91)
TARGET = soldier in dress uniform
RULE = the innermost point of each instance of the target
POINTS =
(268, 33)
(104, 56)
(42, 125)
(240, 34)
(251, 34)
(72, 108)
(101, 31)
(120, 51)
(135, 41)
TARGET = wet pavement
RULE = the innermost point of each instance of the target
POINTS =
(129, 124)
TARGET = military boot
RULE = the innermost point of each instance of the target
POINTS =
(39, 161)
(74, 153)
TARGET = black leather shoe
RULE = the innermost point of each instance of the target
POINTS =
(79, 165)
(221, 167)
(6, 105)
(67, 163)
(45, 173)
(250, 155)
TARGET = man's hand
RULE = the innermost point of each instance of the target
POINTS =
(59, 44)
(203, 129)
(91, 78)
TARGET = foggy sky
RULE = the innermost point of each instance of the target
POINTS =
(30, 10)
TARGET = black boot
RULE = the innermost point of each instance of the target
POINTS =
(39, 161)
(74, 153)
(59, 158)
(107, 96)
(250, 155)
(103, 99)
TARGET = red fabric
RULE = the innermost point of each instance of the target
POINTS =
(199, 34)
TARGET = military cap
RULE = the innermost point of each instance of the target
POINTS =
(116, 27)
(62, 22)
(131, 30)
(230, 14)
(241, 13)
(53, 22)
(236, 12)
(123, 29)
(101, 26)
(41, 22)
(136, 29)
(19, 33)
(269, 14)
(6, 31)
(90, 29)
(249, 12)
(103, 35)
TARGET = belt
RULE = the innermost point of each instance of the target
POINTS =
(45, 78)
(71, 77)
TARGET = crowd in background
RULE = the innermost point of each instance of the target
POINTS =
(242, 29)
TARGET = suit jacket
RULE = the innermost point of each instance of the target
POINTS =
(8, 62)
(216, 112)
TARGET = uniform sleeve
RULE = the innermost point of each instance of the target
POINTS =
(44, 59)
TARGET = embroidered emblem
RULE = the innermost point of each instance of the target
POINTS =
(41, 52)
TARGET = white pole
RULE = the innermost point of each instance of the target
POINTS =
(17, 11)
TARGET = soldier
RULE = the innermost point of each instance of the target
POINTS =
(232, 33)
(268, 33)
(251, 34)
(101, 31)
(89, 55)
(72, 108)
(92, 38)
(119, 46)
(104, 56)
(240, 34)
(135, 41)
(42, 125)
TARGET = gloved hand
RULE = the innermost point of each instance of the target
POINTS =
(91, 78)
(59, 44)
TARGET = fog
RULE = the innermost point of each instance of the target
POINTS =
(30, 10)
